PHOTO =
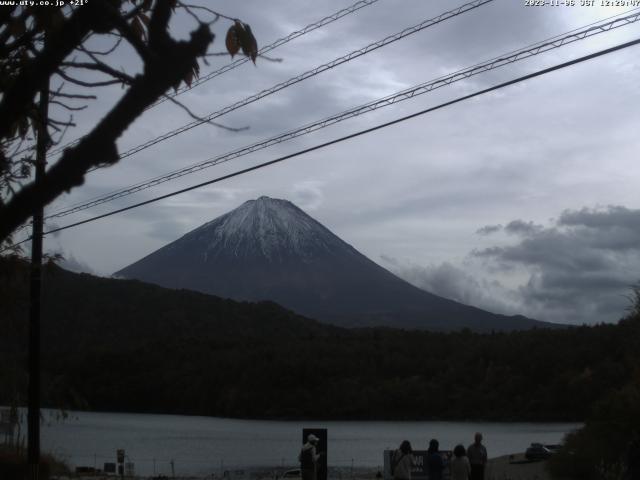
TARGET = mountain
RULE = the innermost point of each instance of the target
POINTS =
(269, 249)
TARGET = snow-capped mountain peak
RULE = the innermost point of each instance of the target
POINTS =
(273, 228)
(269, 249)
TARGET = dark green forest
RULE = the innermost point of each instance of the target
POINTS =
(116, 345)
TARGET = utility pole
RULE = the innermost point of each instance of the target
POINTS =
(33, 415)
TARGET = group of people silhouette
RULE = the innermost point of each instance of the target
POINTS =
(464, 464)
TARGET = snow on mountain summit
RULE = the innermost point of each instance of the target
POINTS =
(270, 227)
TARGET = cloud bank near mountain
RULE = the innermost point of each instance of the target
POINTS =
(577, 269)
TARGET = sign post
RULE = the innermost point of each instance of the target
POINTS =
(419, 471)
(120, 460)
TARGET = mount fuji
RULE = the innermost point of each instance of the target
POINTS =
(269, 249)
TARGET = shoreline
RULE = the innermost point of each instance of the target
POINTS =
(293, 419)
(505, 467)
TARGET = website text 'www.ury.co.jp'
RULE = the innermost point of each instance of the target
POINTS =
(42, 3)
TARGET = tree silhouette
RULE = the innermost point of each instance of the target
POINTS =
(51, 44)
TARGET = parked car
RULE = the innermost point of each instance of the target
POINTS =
(537, 451)
(291, 474)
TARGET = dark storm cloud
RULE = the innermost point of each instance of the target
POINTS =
(578, 269)
(609, 217)
(581, 266)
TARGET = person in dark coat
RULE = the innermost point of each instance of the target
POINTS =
(435, 463)
(477, 454)
(309, 457)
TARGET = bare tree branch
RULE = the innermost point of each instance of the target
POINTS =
(8, 32)
(60, 122)
(82, 83)
(134, 11)
(271, 59)
(104, 52)
(62, 134)
(101, 67)
(127, 32)
(202, 119)
(67, 107)
(206, 9)
(171, 61)
(73, 95)
(60, 43)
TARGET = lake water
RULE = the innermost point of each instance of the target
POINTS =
(205, 445)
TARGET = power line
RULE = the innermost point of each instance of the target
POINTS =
(309, 28)
(241, 60)
(353, 135)
(514, 56)
(308, 74)
(350, 56)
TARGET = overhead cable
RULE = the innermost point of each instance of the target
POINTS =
(241, 60)
(514, 56)
(348, 137)
(308, 74)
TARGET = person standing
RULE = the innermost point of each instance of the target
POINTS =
(309, 457)
(460, 466)
(477, 454)
(435, 463)
(402, 462)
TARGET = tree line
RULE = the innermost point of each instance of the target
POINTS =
(116, 345)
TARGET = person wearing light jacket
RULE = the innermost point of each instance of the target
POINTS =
(402, 462)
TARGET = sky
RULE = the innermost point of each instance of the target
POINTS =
(521, 201)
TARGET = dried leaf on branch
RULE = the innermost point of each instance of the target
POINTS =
(240, 36)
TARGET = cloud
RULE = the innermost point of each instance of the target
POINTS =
(489, 229)
(580, 267)
(518, 227)
(71, 263)
(455, 283)
(611, 216)
(576, 270)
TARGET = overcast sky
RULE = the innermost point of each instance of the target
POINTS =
(520, 201)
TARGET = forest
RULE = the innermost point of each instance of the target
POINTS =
(120, 345)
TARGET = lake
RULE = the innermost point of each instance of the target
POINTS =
(205, 445)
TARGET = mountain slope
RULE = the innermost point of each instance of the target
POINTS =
(269, 249)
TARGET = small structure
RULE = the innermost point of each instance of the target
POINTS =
(419, 471)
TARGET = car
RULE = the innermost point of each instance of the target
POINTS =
(537, 451)
(291, 474)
